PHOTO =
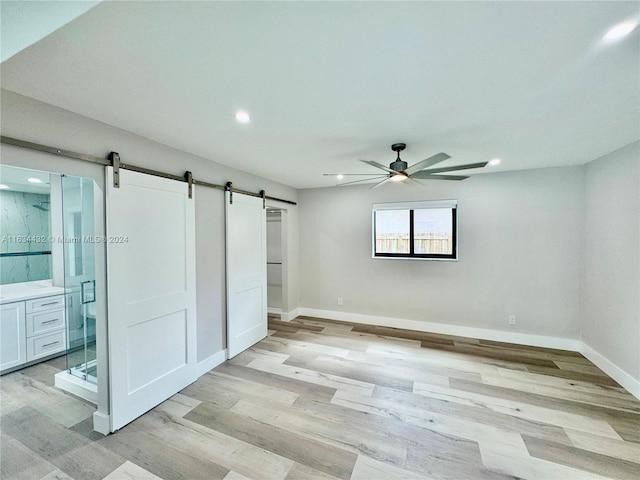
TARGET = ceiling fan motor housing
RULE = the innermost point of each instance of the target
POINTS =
(398, 165)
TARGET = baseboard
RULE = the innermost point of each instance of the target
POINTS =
(607, 366)
(430, 327)
(288, 316)
(211, 362)
(274, 311)
(101, 423)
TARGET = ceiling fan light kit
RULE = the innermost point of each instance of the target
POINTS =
(399, 171)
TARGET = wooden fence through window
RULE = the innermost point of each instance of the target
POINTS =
(425, 243)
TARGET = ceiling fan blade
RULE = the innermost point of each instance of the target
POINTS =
(388, 179)
(456, 167)
(378, 165)
(427, 162)
(351, 174)
(413, 183)
(440, 177)
(359, 181)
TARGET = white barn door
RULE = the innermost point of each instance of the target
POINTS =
(151, 292)
(246, 240)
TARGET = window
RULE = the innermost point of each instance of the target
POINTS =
(415, 230)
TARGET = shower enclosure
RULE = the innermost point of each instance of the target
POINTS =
(78, 243)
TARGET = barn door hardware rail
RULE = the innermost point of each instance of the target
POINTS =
(115, 162)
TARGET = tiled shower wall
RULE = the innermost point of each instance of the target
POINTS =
(24, 228)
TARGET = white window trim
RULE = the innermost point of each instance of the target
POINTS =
(416, 205)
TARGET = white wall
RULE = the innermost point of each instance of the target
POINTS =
(28, 119)
(519, 241)
(611, 286)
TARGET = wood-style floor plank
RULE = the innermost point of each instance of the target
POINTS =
(311, 376)
(57, 405)
(360, 372)
(368, 469)
(293, 385)
(360, 438)
(577, 458)
(519, 409)
(19, 462)
(492, 436)
(302, 472)
(527, 467)
(322, 399)
(586, 377)
(131, 471)
(60, 446)
(315, 454)
(199, 441)
(158, 457)
(571, 394)
(624, 450)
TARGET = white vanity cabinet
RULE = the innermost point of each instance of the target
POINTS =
(32, 330)
(13, 345)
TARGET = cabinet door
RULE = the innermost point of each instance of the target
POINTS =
(13, 340)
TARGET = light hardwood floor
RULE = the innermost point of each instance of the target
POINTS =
(323, 400)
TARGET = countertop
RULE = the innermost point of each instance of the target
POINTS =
(17, 292)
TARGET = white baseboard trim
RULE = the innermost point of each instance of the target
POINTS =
(211, 362)
(274, 311)
(430, 327)
(288, 316)
(78, 387)
(101, 423)
(607, 366)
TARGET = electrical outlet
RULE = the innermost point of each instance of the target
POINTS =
(339, 300)
(512, 319)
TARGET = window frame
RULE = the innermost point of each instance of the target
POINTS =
(411, 206)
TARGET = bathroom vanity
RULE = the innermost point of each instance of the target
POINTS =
(32, 323)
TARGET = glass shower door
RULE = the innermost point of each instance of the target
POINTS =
(79, 276)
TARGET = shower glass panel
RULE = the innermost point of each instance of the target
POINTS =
(79, 276)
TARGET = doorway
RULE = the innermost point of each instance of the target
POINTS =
(278, 288)
(275, 270)
(48, 285)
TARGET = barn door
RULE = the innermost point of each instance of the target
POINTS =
(151, 292)
(246, 247)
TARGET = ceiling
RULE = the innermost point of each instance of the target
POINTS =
(24, 23)
(327, 83)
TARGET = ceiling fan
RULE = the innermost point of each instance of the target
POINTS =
(400, 171)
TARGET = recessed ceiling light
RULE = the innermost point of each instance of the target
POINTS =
(620, 30)
(34, 180)
(3, 186)
(339, 176)
(494, 161)
(242, 117)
